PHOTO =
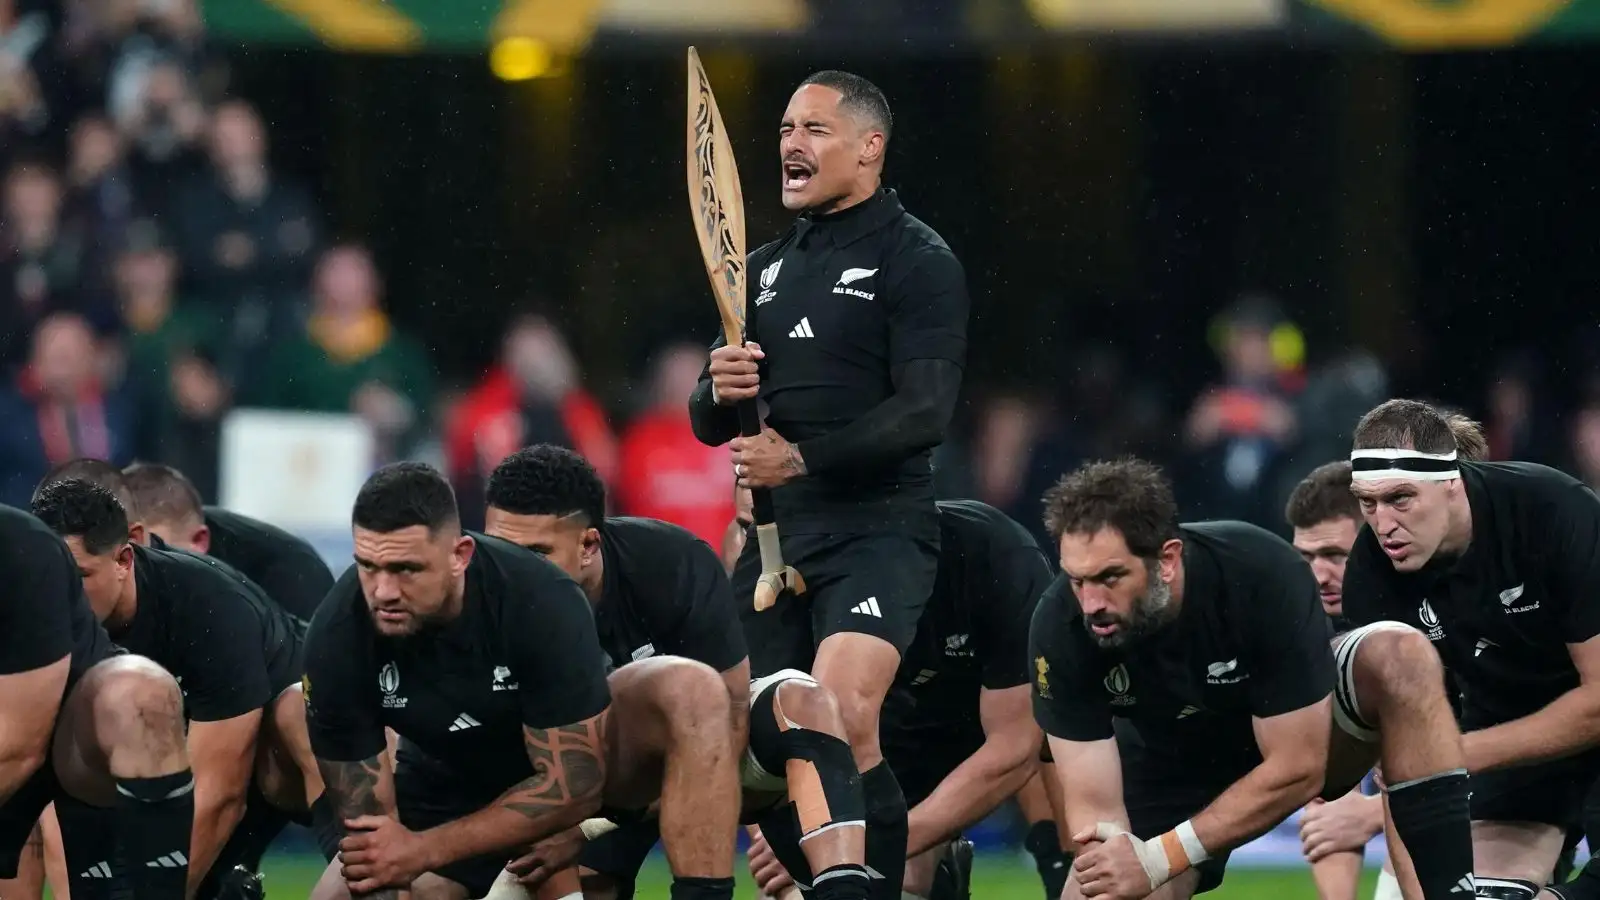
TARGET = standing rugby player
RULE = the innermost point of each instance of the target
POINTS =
(1496, 564)
(1185, 677)
(857, 338)
(957, 727)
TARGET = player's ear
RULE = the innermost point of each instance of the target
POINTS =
(125, 557)
(202, 538)
(461, 554)
(1171, 557)
(872, 147)
(138, 534)
(589, 545)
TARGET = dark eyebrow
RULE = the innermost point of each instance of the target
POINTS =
(1107, 572)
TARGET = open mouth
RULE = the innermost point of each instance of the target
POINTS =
(1395, 549)
(796, 176)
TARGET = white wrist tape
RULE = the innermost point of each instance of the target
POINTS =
(1167, 856)
(593, 828)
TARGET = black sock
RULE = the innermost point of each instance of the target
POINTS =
(1044, 845)
(702, 888)
(1433, 819)
(843, 883)
(886, 830)
(154, 817)
(326, 827)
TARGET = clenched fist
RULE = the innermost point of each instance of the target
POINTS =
(734, 373)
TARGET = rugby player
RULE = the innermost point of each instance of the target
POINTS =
(1495, 563)
(957, 728)
(484, 657)
(107, 476)
(236, 657)
(655, 589)
(285, 566)
(857, 338)
(1183, 674)
(83, 720)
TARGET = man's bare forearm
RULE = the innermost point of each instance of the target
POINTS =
(216, 814)
(359, 789)
(1569, 724)
(569, 773)
(15, 770)
(982, 782)
(1253, 805)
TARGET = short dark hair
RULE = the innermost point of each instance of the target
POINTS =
(1323, 496)
(1405, 425)
(1471, 444)
(1131, 495)
(859, 96)
(162, 493)
(100, 472)
(546, 480)
(403, 495)
(75, 507)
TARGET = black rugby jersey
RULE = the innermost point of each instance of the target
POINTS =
(1501, 613)
(664, 591)
(1250, 640)
(838, 303)
(286, 566)
(45, 615)
(973, 634)
(523, 652)
(231, 649)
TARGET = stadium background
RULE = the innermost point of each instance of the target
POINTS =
(278, 242)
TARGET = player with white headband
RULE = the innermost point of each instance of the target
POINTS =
(1497, 563)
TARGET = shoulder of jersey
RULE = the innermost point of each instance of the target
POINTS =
(655, 529)
(1241, 540)
(915, 233)
(1525, 475)
(16, 522)
(968, 516)
(770, 248)
(233, 521)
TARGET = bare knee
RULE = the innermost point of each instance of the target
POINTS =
(138, 717)
(1398, 663)
(692, 696)
(810, 706)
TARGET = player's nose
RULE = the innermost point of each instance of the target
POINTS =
(385, 587)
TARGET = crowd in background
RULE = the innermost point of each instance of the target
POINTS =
(156, 271)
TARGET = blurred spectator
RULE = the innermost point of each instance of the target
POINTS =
(100, 198)
(533, 397)
(170, 354)
(57, 409)
(41, 261)
(1017, 453)
(246, 235)
(664, 471)
(1510, 422)
(24, 109)
(350, 357)
(164, 127)
(1585, 453)
(1238, 428)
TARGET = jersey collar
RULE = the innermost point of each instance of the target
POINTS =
(850, 225)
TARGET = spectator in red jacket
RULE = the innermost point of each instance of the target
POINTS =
(666, 473)
(532, 397)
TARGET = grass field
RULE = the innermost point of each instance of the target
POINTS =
(995, 877)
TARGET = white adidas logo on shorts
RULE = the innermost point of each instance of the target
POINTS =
(868, 607)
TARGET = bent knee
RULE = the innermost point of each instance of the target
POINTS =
(1399, 659)
(128, 688)
(810, 706)
(684, 690)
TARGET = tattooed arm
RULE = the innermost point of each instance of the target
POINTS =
(569, 772)
(361, 788)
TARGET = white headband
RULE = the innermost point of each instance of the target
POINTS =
(1386, 465)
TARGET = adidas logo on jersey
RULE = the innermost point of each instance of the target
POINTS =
(463, 722)
(868, 607)
(173, 860)
(802, 330)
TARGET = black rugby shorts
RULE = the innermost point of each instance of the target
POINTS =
(621, 853)
(873, 584)
(1552, 793)
(428, 794)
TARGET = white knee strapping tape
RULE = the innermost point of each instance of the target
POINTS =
(505, 887)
